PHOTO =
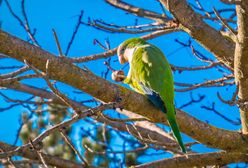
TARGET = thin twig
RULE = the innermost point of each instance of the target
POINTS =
(74, 33)
(212, 108)
(26, 25)
(19, 78)
(100, 44)
(145, 147)
(55, 91)
(225, 24)
(15, 73)
(39, 154)
(68, 141)
(137, 10)
(193, 100)
(123, 29)
(113, 51)
(209, 83)
(57, 42)
(180, 69)
(233, 100)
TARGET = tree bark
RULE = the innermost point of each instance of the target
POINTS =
(197, 160)
(241, 62)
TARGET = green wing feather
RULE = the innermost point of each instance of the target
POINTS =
(150, 68)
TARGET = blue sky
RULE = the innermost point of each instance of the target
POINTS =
(62, 16)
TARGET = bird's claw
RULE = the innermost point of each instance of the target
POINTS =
(118, 76)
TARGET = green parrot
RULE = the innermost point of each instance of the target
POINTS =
(150, 74)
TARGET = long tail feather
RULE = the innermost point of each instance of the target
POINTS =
(176, 132)
(159, 103)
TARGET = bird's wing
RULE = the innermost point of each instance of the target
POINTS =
(151, 73)
(154, 97)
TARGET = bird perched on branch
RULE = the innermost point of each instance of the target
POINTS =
(149, 74)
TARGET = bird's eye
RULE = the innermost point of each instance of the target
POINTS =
(122, 50)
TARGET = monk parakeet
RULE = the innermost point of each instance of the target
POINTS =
(150, 74)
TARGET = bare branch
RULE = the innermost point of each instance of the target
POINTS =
(15, 73)
(180, 69)
(57, 43)
(27, 26)
(74, 33)
(212, 108)
(209, 83)
(24, 25)
(115, 152)
(98, 24)
(197, 160)
(19, 78)
(225, 24)
(193, 100)
(50, 160)
(39, 154)
(54, 128)
(68, 141)
(192, 23)
(149, 131)
(107, 92)
(112, 52)
(55, 91)
(231, 102)
(137, 11)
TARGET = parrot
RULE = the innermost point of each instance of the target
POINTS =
(150, 74)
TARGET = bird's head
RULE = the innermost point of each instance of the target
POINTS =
(126, 48)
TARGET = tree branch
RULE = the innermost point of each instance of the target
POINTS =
(108, 92)
(51, 160)
(113, 51)
(241, 61)
(137, 11)
(197, 160)
(192, 23)
(149, 131)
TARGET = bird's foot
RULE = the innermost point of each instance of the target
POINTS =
(118, 76)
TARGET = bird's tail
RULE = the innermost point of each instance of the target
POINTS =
(176, 132)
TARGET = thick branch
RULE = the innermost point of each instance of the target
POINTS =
(107, 92)
(149, 132)
(51, 160)
(192, 23)
(241, 61)
(197, 160)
